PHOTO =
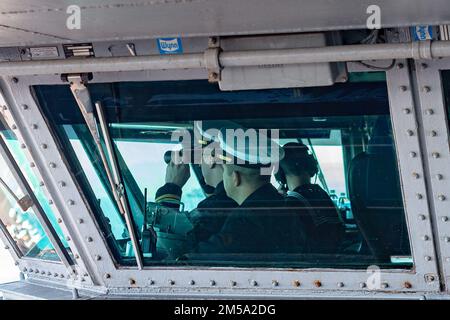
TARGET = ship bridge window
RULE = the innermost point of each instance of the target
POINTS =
(332, 198)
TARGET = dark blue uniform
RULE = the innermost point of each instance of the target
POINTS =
(263, 223)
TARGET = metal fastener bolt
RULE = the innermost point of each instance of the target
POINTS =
(61, 276)
(425, 238)
(427, 258)
(24, 107)
(24, 269)
(317, 283)
(419, 196)
(424, 65)
(77, 256)
(384, 285)
(6, 247)
(55, 274)
(50, 201)
(70, 202)
(340, 284)
(97, 257)
(406, 111)
(44, 146)
(36, 271)
(296, 283)
(32, 164)
(447, 239)
(412, 154)
(433, 133)
(410, 132)
(275, 283)
(429, 112)
(16, 263)
(233, 283)
(41, 183)
(426, 89)
(31, 270)
(441, 197)
(13, 126)
(15, 80)
(439, 176)
(43, 272)
(152, 282)
(403, 88)
(49, 273)
(68, 238)
(62, 184)
(59, 220)
(89, 239)
(171, 282)
(52, 165)
(407, 285)
(422, 217)
(444, 219)
(254, 283)
(23, 146)
(400, 65)
(212, 283)
(435, 155)
(192, 282)
(416, 175)
(132, 282)
(34, 126)
(80, 221)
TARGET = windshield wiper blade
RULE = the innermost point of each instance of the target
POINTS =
(83, 99)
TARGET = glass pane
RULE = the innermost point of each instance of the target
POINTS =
(23, 227)
(338, 203)
(21, 160)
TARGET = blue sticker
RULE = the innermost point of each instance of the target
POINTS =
(421, 33)
(169, 45)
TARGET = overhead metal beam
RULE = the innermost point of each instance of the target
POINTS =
(410, 50)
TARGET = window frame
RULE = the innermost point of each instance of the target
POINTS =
(423, 277)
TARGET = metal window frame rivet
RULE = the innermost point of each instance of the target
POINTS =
(25, 107)
(406, 110)
(55, 275)
(192, 282)
(254, 283)
(13, 126)
(16, 263)
(275, 283)
(49, 273)
(31, 270)
(416, 175)
(444, 219)
(412, 154)
(52, 165)
(23, 146)
(433, 133)
(62, 184)
(70, 202)
(32, 164)
(435, 155)
(43, 272)
(340, 284)
(212, 283)
(447, 239)
(419, 196)
(171, 282)
(15, 80)
(152, 282)
(439, 176)
(424, 65)
(132, 282)
(296, 283)
(407, 285)
(50, 201)
(97, 257)
(89, 239)
(384, 285)
(107, 275)
(425, 238)
(427, 258)
(441, 197)
(233, 283)
(41, 183)
(6, 247)
(317, 283)
(68, 238)
(34, 126)
(61, 276)
(400, 65)
(429, 112)
(44, 146)
(422, 217)
(24, 269)
(410, 133)
(4, 108)
(36, 271)
(426, 89)
(77, 256)
(80, 221)
(403, 88)
(59, 220)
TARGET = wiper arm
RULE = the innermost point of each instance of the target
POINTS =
(83, 99)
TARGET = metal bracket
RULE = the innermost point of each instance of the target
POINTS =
(211, 56)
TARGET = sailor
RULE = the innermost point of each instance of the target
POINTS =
(262, 223)
(325, 230)
(210, 214)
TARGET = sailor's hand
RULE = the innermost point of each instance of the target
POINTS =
(177, 174)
